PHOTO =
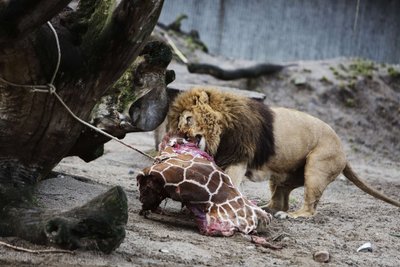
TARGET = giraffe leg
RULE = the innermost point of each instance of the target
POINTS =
(236, 172)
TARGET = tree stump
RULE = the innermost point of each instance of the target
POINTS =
(99, 40)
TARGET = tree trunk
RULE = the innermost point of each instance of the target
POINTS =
(99, 40)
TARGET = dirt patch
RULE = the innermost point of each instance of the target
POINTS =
(346, 219)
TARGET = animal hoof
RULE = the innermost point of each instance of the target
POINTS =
(281, 215)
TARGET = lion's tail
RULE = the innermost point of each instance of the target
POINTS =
(349, 173)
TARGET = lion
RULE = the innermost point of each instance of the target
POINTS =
(249, 139)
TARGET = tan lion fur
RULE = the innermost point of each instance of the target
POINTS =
(247, 138)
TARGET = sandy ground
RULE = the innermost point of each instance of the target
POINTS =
(346, 218)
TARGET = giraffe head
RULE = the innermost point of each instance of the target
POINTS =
(185, 173)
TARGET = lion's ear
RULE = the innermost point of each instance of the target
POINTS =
(203, 98)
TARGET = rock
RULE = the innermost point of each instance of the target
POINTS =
(131, 171)
(321, 256)
(281, 215)
(367, 247)
(299, 80)
(395, 234)
(163, 250)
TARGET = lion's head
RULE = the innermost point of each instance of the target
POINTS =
(229, 127)
(193, 114)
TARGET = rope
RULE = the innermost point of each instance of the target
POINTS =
(97, 129)
(34, 250)
(51, 89)
(58, 52)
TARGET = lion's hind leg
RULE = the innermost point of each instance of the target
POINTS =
(322, 167)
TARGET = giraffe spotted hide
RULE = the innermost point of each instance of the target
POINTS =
(185, 173)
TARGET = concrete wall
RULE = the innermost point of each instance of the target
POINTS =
(286, 30)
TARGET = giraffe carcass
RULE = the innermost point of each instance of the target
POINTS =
(185, 173)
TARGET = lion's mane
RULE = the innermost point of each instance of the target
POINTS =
(237, 129)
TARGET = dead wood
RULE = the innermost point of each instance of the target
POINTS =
(234, 74)
(98, 42)
(97, 225)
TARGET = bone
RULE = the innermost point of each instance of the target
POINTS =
(185, 173)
